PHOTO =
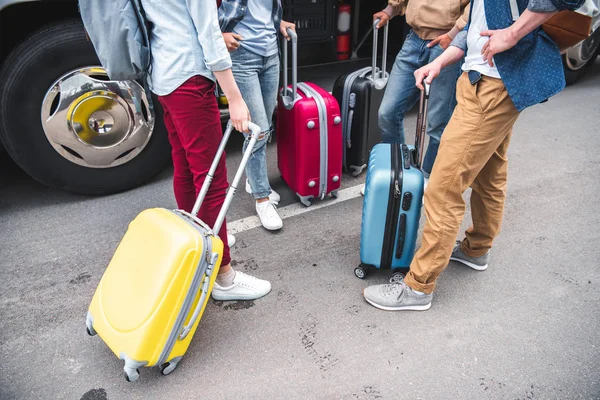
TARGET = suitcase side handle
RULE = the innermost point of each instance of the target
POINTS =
(204, 290)
(379, 77)
(421, 125)
(288, 101)
(255, 133)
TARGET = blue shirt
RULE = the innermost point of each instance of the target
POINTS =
(257, 28)
(231, 12)
(185, 40)
(531, 71)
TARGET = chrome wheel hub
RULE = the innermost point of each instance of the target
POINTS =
(94, 122)
(578, 55)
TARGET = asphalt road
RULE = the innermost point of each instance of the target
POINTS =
(527, 328)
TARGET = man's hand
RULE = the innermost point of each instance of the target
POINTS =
(231, 41)
(383, 17)
(500, 40)
(443, 40)
(430, 71)
(504, 39)
(284, 27)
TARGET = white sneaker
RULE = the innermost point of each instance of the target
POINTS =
(244, 287)
(274, 197)
(231, 240)
(268, 215)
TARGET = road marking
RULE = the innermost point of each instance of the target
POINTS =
(295, 209)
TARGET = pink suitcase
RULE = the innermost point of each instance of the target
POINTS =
(309, 136)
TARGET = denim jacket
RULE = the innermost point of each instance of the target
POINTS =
(232, 11)
(531, 71)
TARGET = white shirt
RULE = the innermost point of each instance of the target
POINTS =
(185, 41)
(474, 58)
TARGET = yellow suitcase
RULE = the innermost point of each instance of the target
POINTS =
(153, 293)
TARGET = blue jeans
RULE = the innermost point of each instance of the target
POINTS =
(401, 94)
(258, 80)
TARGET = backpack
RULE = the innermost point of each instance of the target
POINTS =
(119, 32)
(566, 28)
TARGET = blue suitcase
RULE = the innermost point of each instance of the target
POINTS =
(393, 200)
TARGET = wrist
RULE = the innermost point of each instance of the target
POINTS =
(513, 35)
(234, 98)
(438, 63)
(390, 11)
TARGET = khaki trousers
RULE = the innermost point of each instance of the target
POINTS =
(472, 153)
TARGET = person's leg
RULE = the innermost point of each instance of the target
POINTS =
(487, 209)
(247, 67)
(247, 70)
(195, 117)
(401, 93)
(183, 180)
(482, 121)
(269, 85)
(442, 101)
(194, 112)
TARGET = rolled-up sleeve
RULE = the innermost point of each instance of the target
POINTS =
(206, 20)
(546, 6)
(462, 21)
(460, 40)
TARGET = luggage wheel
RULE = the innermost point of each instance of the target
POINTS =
(335, 194)
(168, 367)
(306, 200)
(89, 324)
(360, 272)
(131, 375)
(89, 327)
(357, 170)
(397, 277)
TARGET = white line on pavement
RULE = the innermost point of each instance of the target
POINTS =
(292, 210)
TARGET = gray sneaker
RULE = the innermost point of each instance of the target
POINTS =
(396, 297)
(478, 263)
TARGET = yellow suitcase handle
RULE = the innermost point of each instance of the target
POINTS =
(254, 133)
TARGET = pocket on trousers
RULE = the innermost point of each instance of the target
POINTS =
(204, 85)
(487, 92)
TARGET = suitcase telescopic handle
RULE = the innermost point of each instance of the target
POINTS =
(288, 100)
(255, 133)
(422, 123)
(380, 77)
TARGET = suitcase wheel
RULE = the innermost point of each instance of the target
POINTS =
(90, 331)
(131, 375)
(89, 323)
(397, 277)
(360, 272)
(168, 367)
(306, 200)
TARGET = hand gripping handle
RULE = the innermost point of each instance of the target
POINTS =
(380, 77)
(255, 132)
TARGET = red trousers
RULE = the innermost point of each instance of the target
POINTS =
(191, 116)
